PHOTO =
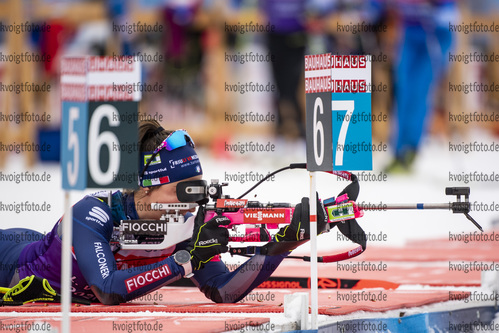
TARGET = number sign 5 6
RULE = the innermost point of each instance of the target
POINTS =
(98, 148)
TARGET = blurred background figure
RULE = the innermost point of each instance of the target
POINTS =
(287, 43)
(292, 22)
(424, 44)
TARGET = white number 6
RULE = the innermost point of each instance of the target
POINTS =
(318, 130)
(96, 140)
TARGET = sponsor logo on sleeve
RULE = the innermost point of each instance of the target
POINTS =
(143, 279)
(101, 259)
(98, 215)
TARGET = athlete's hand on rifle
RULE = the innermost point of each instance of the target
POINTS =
(208, 239)
(299, 228)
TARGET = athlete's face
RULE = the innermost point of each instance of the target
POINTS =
(162, 194)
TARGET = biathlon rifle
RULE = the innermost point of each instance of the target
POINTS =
(251, 221)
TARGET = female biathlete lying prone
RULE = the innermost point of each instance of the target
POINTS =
(104, 272)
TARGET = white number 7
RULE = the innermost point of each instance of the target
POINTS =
(341, 106)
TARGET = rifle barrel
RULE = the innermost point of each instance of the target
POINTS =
(446, 206)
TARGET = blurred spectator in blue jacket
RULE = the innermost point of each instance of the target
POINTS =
(425, 41)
